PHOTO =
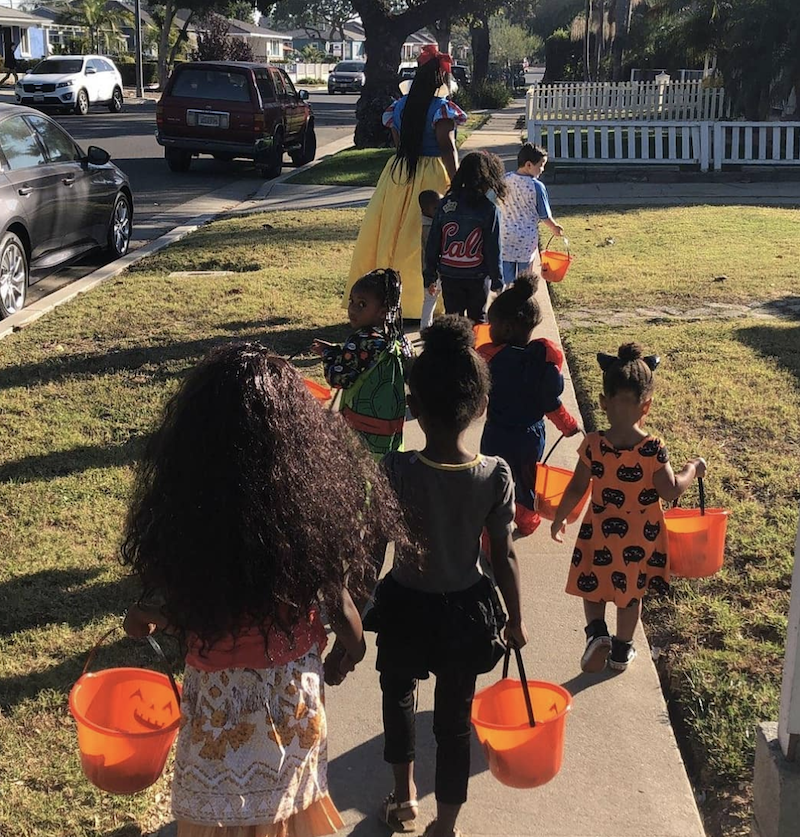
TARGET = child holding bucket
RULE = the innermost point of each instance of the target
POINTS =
(368, 368)
(621, 552)
(525, 204)
(526, 386)
(439, 614)
(238, 538)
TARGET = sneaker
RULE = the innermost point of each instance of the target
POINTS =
(596, 653)
(527, 520)
(622, 655)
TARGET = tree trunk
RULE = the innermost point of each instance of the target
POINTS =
(442, 29)
(479, 32)
(622, 26)
(599, 37)
(170, 7)
(384, 48)
(178, 41)
(587, 42)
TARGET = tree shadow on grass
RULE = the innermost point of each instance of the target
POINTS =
(58, 369)
(780, 345)
(57, 596)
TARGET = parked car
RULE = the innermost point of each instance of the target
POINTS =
(459, 72)
(346, 77)
(56, 202)
(233, 109)
(72, 82)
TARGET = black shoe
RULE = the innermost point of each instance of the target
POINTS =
(622, 655)
(598, 644)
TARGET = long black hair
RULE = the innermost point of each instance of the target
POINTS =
(477, 173)
(428, 78)
(252, 502)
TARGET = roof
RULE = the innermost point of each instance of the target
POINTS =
(144, 15)
(14, 16)
(243, 27)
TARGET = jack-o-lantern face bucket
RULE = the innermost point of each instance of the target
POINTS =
(127, 720)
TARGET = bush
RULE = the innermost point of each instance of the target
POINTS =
(487, 95)
(310, 80)
(149, 73)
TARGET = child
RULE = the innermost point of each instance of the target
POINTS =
(428, 203)
(526, 386)
(368, 368)
(621, 552)
(524, 206)
(464, 245)
(237, 537)
(440, 614)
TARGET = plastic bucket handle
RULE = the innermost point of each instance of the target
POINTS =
(153, 644)
(566, 243)
(702, 490)
(523, 679)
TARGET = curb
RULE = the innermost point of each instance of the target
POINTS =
(33, 312)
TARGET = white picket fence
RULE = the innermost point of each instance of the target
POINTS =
(316, 71)
(756, 143)
(675, 143)
(584, 101)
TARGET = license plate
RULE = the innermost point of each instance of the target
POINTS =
(38, 98)
(209, 120)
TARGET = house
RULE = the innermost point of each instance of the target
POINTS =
(266, 44)
(27, 34)
(415, 42)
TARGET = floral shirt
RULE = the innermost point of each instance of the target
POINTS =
(525, 204)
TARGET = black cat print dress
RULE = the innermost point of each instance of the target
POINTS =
(621, 552)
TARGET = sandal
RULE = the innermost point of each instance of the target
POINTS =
(390, 814)
(429, 828)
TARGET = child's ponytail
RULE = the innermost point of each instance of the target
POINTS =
(629, 370)
(517, 305)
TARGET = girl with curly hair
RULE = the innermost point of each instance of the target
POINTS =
(237, 535)
(423, 125)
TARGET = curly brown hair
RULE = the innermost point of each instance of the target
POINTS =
(252, 503)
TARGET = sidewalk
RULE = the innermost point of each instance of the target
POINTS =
(622, 775)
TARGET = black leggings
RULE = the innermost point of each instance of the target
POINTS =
(451, 727)
(466, 295)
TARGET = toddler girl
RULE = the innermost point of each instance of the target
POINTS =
(463, 247)
(237, 536)
(526, 386)
(439, 613)
(368, 368)
(621, 552)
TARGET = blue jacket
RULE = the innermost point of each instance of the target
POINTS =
(464, 242)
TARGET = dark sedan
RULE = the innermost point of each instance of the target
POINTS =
(56, 202)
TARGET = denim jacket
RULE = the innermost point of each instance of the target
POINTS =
(464, 242)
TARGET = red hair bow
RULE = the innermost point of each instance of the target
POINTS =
(431, 51)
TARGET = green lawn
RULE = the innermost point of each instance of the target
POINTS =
(81, 388)
(363, 166)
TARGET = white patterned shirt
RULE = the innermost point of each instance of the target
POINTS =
(524, 205)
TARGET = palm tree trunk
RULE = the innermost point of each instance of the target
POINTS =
(587, 50)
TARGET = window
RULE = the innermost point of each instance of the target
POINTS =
(20, 146)
(104, 66)
(58, 66)
(290, 91)
(211, 84)
(280, 88)
(60, 148)
(265, 86)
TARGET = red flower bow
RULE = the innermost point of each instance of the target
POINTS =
(431, 51)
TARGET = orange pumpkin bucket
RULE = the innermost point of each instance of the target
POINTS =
(319, 392)
(521, 725)
(555, 264)
(549, 488)
(696, 539)
(481, 334)
(127, 719)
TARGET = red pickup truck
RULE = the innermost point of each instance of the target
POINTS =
(234, 109)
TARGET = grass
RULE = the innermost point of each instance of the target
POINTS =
(81, 388)
(363, 166)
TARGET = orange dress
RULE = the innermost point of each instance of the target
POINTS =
(621, 551)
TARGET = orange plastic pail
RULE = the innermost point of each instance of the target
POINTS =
(695, 541)
(554, 263)
(521, 755)
(551, 483)
(319, 392)
(481, 334)
(127, 720)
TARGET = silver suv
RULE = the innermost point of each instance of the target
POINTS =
(347, 77)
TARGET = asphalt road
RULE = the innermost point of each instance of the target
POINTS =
(129, 137)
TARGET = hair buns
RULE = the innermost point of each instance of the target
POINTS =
(525, 285)
(449, 334)
(629, 351)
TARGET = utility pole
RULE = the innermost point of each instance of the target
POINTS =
(138, 47)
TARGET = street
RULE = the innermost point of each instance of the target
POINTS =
(129, 137)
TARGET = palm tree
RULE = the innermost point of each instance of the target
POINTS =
(97, 18)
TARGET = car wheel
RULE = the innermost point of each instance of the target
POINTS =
(82, 103)
(115, 105)
(121, 227)
(178, 159)
(331, 91)
(13, 275)
(308, 150)
(274, 164)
